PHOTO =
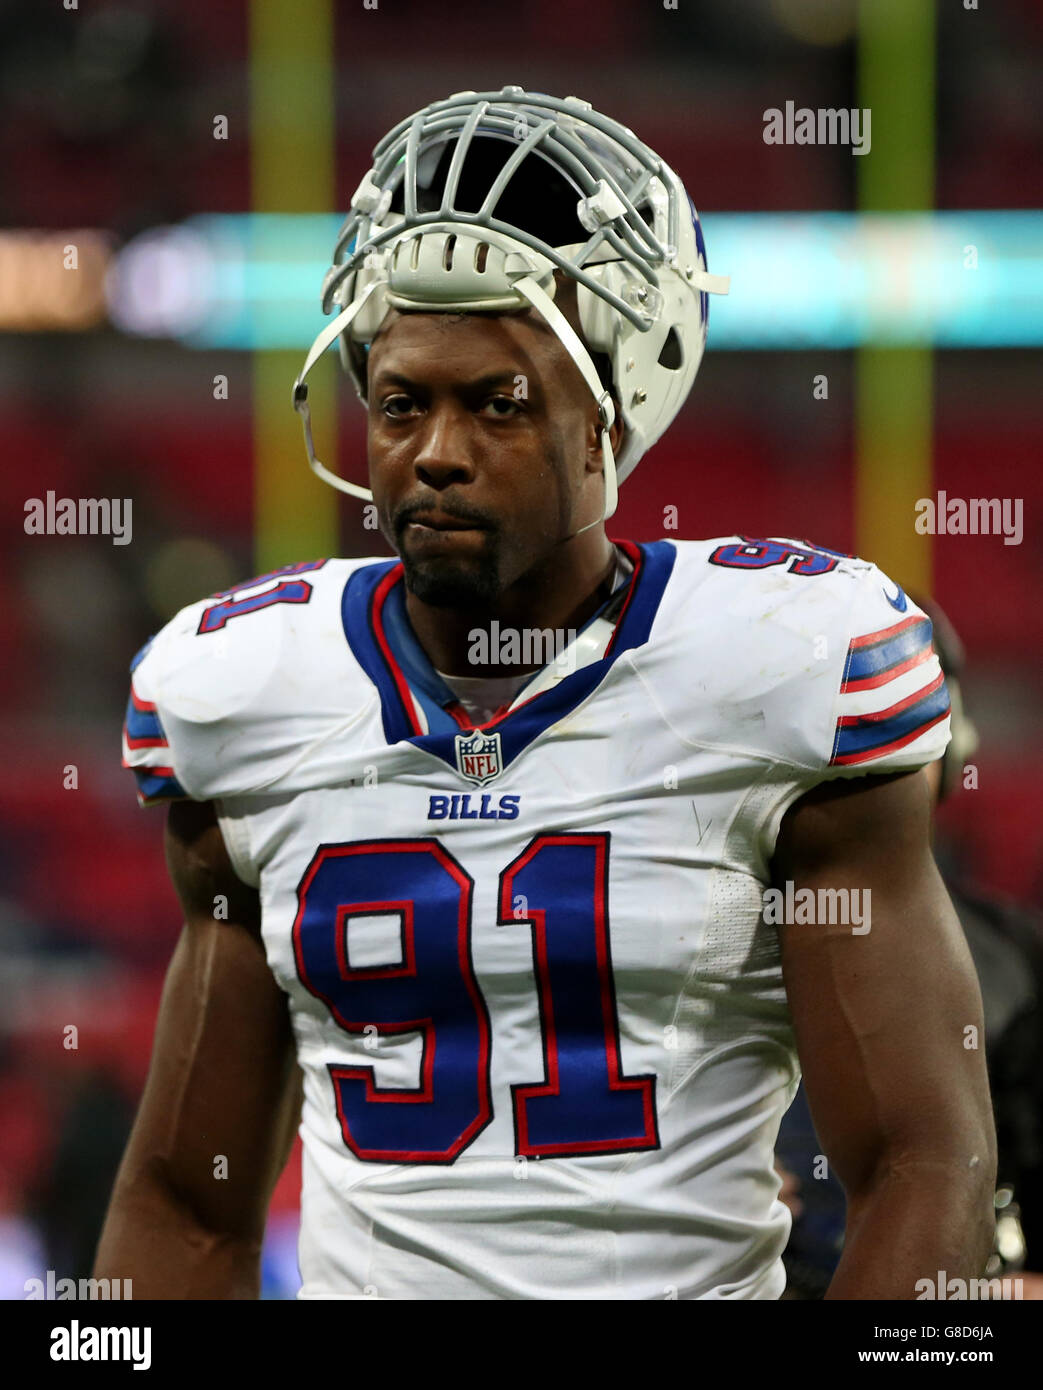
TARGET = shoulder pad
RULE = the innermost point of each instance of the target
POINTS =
(803, 655)
(228, 693)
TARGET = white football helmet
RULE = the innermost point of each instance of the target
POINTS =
(474, 202)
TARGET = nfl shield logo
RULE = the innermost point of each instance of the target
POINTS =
(478, 756)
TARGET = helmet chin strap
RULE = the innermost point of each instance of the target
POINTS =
(573, 345)
(300, 394)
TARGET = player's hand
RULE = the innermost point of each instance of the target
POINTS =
(790, 1188)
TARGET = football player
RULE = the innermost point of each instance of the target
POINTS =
(503, 911)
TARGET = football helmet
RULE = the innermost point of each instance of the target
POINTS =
(474, 202)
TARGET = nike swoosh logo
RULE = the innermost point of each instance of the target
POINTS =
(899, 601)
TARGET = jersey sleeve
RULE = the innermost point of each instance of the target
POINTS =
(146, 748)
(243, 693)
(891, 708)
(857, 691)
(199, 693)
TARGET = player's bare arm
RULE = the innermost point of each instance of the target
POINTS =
(895, 1075)
(223, 1084)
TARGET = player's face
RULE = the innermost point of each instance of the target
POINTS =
(482, 449)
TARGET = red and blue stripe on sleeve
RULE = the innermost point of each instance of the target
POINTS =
(892, 693)
(146, 749)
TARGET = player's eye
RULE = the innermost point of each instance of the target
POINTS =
(512, 406)
(390, 406)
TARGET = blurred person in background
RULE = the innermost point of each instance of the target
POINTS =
(70, 1195)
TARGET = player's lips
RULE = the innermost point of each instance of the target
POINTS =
(440, 521)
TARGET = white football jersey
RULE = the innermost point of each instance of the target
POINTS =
(541, 1018)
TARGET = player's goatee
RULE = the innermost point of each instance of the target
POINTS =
(445, 582)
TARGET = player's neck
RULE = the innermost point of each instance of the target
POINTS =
(560, 595)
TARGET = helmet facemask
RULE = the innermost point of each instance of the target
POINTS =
(473, 204)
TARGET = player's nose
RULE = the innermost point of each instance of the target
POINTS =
(444, 455)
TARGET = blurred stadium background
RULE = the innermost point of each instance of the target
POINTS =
(201, 245)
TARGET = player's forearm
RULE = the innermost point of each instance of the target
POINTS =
(912, 1221)
(152, 1238)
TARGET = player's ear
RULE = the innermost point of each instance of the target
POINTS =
(615, 435)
